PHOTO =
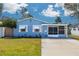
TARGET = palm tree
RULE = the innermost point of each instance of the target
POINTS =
(69, 28)
(25, 13)
(58, 20)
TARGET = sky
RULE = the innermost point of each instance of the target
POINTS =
(41, 11)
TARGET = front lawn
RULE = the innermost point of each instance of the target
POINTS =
(74, 37)
(20, 47)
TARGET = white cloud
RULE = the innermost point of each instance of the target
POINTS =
(50, 12)
(12, 8)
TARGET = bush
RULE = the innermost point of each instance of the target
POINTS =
(8, 22)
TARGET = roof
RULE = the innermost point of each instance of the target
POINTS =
(21, 20)
(57, 24)
(45, 22)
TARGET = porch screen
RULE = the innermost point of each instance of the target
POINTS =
(61, 29)
(52, 30)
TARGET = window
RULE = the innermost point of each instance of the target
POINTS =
(23, 28)
(56, 30)
(36, 28)
(61, 29)
(52, 30)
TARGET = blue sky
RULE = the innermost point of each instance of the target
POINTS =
(42, 11)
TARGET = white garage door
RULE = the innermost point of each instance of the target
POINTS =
(1, 32)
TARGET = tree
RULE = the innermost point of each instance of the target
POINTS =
(8, 22)
(69, 28)
(58, 20)
(1, 8)
(73, 7)
(9, 25)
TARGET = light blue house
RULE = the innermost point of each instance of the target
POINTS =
(38, 28)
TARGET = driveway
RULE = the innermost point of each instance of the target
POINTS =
(60, 47)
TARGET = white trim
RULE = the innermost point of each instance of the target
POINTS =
(33, 19)
(36, 27)
(56, 24)
(41, 20)
(23, 20)
(53, 35)
(23, 26)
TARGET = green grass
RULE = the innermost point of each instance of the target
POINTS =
(74, 37)
(20, 47)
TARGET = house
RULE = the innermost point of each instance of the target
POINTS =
(35, 28)
(75, 30)
(38, 28)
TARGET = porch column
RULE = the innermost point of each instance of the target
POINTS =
(66, 30)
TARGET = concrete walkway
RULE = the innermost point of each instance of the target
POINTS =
(60, 47)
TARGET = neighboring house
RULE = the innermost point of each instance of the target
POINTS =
(1, 31)
(75, 30)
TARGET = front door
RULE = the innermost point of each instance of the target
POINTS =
(8, 32)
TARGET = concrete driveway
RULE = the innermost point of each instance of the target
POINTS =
(60, 47)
